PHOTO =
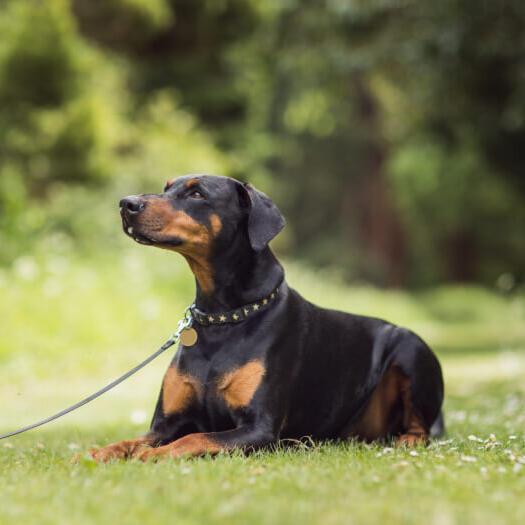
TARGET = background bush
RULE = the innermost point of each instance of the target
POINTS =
(392, 134)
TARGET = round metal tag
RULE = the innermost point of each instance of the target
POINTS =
(188, 337)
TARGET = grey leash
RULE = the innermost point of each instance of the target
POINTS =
(183, 324)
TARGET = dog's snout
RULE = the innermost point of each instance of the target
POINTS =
(132, 205)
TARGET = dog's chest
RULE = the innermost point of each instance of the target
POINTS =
(224, 384)
(235, 387)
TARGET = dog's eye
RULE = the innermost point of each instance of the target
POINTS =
(195, 194)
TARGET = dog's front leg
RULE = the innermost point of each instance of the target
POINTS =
(200, 444)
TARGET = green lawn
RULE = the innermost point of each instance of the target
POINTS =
(68, 326)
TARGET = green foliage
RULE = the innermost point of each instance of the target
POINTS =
(50, 126)
(391, 134)
(72, 140)
(446, 194)
(166, 141)
(423, 99)
(39, 43)
(122, 24)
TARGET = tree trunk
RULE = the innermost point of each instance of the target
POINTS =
(380, 230)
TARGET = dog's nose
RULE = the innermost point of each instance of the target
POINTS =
(132, 205)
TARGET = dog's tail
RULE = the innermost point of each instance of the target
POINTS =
(438, 427)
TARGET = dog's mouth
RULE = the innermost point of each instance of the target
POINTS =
(131, 231)
(141, 238)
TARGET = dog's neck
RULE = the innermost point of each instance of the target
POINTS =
(240, 276)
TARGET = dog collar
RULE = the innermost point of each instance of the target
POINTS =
(234, 316)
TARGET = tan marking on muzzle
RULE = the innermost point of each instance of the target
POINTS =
(163, 222)
(197, 247)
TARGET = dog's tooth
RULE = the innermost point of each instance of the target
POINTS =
(130, 229)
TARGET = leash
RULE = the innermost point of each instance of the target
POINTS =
(183, 325)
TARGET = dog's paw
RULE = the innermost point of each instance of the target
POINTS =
(146, 454)
(121, 450)
(109, 453)
(155, 453)
(411, 440)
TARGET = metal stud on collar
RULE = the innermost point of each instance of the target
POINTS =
(233, 316)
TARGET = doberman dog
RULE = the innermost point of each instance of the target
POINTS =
(268, 365)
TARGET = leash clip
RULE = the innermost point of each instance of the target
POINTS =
(183, 324)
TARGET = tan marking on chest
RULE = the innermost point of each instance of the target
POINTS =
(239, 386)
(178, 391)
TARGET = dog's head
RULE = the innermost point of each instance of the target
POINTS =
(198, 213)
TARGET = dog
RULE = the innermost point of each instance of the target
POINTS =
(262, 363)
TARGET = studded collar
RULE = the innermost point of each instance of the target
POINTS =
(237, 315)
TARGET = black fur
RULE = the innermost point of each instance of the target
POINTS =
(321, 365)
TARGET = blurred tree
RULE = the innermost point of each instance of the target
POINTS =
(175, 43)
(69, 128)
(391, 132)
(329, 147)
(48, 124)
(457, 122)
(380, 81)
(123, 25)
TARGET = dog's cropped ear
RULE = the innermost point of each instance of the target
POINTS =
(265, 220)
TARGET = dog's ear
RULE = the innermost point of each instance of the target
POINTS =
(265, 220)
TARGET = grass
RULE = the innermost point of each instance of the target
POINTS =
(69, 325)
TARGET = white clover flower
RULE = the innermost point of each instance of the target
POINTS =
(138, 417)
